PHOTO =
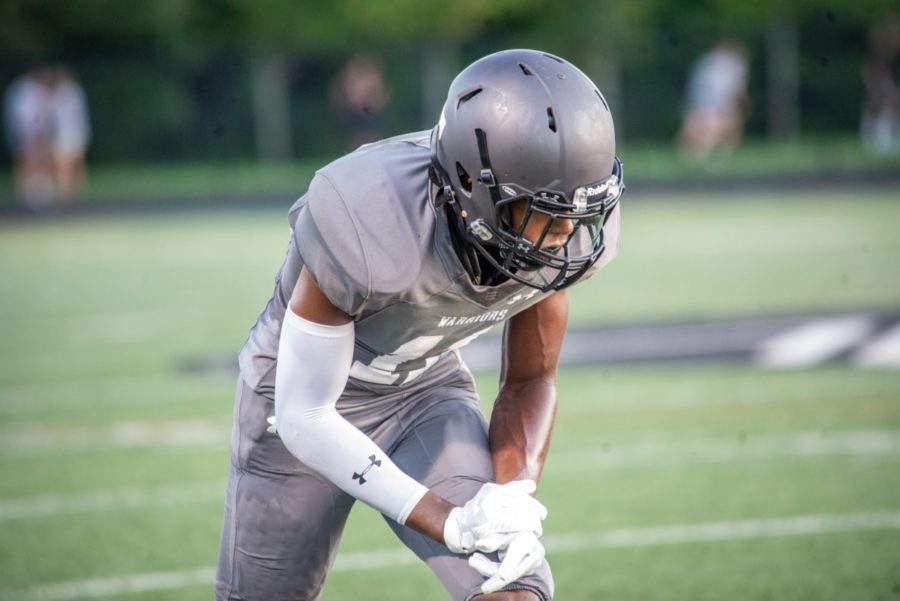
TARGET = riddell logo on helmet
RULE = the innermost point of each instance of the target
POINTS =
(598, 189)
(604, 190)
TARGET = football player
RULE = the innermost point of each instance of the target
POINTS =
(351, 387)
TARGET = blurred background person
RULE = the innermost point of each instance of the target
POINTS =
(29, 123)
(71, 133)
(360, 95)
(48, 130)
(880, 123)
(716, 102)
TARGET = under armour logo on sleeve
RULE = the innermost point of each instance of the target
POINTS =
(362, 477)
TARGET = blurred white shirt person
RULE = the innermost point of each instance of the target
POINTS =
(71, 134)
(29, 121)
(716, 100)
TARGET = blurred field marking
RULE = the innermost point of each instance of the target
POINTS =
(123, 327)
(40, 439)
(865, 443)
(673, 534)
(37, 438)
(115, 327)
(107, 587)
(111, 500)
(156, 388)
(815, 342)
(857, 443)
(687, 400)
(130, 390)
(724, 531)
(884, 351)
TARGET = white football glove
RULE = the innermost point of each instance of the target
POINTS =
(521, 557)
(488, 519)
(273, 428)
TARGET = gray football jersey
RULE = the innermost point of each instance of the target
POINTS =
(369, 234)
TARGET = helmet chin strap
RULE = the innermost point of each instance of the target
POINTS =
(486, 176)
(468, 254)
(445, 199)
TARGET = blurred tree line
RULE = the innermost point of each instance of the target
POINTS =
(238, 79)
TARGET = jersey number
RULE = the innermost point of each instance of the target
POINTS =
(385, 369)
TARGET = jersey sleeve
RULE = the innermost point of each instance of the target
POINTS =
(328, 241)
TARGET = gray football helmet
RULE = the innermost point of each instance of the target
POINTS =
(523, 125)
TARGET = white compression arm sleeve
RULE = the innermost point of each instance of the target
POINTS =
(313, 366)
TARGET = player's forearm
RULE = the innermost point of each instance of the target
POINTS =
(429, 516)
(521, 425)
(313, 365)
(340, 453)
(523, 414)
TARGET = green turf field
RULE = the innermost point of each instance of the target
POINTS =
(677, 483)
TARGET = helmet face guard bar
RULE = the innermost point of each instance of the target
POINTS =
(589, 208)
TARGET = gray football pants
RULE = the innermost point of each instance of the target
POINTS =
(283, 523)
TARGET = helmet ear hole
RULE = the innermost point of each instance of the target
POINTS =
(551, 120)
(465, 179)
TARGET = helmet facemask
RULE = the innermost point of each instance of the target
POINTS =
(503, 242)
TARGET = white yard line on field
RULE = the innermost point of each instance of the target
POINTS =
(815, 342)
(883, 351)
(672, 534)
(798, 444)
(39, 438)
(860, 443)
(746, 391)
(112, 500)
(675, 534)
(687, 400)
(120, 327)
(107, 587)
(41, 397)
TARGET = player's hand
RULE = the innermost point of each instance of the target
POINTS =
(273, 427)
(488, 519)
(522, 557)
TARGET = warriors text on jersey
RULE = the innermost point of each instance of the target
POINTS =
(368, 232)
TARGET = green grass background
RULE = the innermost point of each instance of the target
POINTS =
(810, 157)
(99, 315)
